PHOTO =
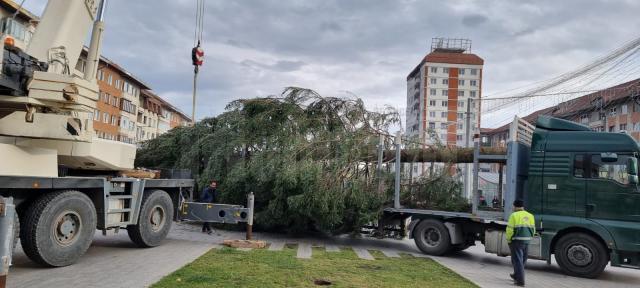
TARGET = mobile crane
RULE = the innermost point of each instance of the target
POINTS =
(62, 181)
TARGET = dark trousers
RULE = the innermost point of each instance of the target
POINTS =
(519, 251)
(206, 227)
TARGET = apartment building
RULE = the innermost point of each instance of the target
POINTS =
(121, 94)
(22, 27)
(439, 89)
(614, 109)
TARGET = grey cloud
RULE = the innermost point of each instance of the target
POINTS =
(331, 26)
(474, 20)
(239, 44)
(258, 47)
(279, 66)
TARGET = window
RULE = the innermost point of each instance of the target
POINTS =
(601, 116)
(443, 114)
(432, 125)
(443, 136)
(578, 166)
(118, 83)
(459, 137)
(612, 128)
(460, 93)
(472, 93)
(432, 92)
(460, 82)
(623, 127)
(616, 171)
(473, 83)
(443, 125)
(461, 71)
(445, 81)
(434, 69)
(432, 114)
(460, 104)
(460, 126)
(474, 71)
(96, 115)
(433, 80)
(444, 103)
(432, 102)
(81, 65)
(110, 79)
(445, 92)
(105, 117)
(584, 118)
(445, 70)
(613, 111)
(460, 115)
(624, 109)
(114, 120)
(636, 126)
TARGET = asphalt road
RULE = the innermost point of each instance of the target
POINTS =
(113, 261)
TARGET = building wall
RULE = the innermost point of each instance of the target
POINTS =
(448, 89)
(129, 110)
(108, 106)
(22, 28)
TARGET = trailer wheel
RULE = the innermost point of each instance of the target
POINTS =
(581, 255)
(154, 221)
(432, 237)
(58, 228)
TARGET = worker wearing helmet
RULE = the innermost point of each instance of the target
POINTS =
(520, 231)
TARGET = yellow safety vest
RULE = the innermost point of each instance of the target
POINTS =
(521, 226)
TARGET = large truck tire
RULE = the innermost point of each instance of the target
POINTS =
(154, 221)
(581, 255)
(432, 237)
(58, 228)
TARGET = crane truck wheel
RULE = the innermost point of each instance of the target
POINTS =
(58, 228)
(581, 255)
(154, 221)
(432, 237)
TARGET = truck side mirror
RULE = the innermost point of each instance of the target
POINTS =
(632, 170)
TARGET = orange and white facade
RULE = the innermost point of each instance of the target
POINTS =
(438, 92)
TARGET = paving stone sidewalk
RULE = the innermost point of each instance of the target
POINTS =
(114, 261)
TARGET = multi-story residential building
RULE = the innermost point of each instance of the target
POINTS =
(157, 116)
(614, 109)
(438, 91)
(22, 27)
(116, 112)
(443, 97)
(120, 93)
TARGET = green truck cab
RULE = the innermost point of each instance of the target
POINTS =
(583, 190)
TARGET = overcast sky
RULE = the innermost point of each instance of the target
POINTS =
(256, 48)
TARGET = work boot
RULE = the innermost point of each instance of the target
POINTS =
(519, 284)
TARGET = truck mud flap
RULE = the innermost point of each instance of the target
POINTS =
(210, 212)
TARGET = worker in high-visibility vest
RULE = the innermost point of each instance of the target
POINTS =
(520, 231)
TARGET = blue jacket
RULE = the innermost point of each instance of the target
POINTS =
(208, 195)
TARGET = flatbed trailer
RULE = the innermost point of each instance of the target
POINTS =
(553, 168)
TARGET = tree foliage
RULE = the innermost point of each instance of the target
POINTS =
(300, 153)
